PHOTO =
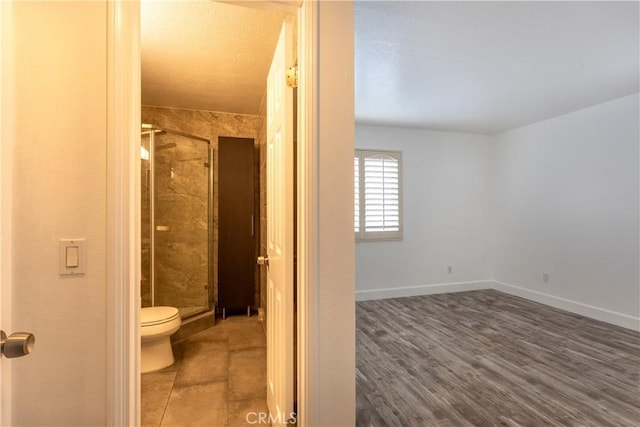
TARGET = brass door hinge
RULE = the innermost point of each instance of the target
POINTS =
(292, 76)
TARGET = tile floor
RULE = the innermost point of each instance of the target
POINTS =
(218, 378)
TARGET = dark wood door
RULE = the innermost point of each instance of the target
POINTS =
(236, 223)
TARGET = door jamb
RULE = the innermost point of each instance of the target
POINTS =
(306, 213)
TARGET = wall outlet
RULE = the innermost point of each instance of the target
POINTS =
(450, 269)
(545, 277)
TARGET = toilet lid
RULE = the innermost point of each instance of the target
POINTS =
(150, 316)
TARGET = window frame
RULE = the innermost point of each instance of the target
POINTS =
(372, 236)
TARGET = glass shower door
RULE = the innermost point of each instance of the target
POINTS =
(181, 223)
(176, 216)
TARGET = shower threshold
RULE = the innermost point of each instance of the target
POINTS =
(193, 324)
(188, 312)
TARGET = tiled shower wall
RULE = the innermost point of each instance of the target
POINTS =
(211, 125)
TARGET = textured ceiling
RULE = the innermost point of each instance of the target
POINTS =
(206, 55)
(485, 67)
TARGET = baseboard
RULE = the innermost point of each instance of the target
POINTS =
(411, 291)
(586, 310)
(576, 307)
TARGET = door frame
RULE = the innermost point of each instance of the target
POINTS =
(123, 212)
(306, 214)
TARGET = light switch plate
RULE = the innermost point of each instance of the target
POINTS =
(72, 253)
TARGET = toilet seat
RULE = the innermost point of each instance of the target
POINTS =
(158, 322)
(152, 316)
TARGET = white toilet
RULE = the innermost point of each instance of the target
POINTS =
(157, 324)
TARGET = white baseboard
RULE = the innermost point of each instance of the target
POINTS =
(411, 291)
(576, 307)
(586, 310)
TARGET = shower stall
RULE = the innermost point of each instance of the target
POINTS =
(176, 217)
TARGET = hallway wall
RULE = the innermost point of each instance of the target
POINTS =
(59, 191)
(334, 303)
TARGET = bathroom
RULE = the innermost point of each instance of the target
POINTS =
(204, 70)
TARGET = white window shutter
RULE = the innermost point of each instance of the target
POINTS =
(382, 202)
(378, 195)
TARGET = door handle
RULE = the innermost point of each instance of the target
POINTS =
(17, 344)
(263, 260)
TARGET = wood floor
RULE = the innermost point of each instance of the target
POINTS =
(484, 358)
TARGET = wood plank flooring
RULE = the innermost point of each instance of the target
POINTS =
(485, 358)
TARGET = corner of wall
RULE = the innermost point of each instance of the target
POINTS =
(597, 313)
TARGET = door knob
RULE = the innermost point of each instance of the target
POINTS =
(17, 344)
(263, 260)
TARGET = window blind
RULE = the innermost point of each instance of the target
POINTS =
(377, 195)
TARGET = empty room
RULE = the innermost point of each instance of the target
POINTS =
(497, 213)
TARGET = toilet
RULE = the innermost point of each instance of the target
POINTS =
(157, 324)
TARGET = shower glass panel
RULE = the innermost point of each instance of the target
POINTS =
(176, 218)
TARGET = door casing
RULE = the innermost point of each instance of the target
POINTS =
(123, 212)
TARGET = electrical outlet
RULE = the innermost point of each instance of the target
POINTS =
(545, 277)
(450, 269)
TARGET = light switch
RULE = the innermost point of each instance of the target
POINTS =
(72, 257)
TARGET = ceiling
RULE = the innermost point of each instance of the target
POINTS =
(485, 67)
(480, 67)
(206, 55)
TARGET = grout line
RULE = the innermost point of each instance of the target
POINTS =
(227, 380)
(173, 385)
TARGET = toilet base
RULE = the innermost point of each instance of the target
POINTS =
(155, 355)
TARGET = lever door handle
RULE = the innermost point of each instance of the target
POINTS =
(17, 344)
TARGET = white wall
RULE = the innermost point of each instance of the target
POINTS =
(445, 208)
(335, 252)
(565, 202)
(557, 197)
(59, 191)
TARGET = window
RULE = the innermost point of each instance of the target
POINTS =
(378, 195)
